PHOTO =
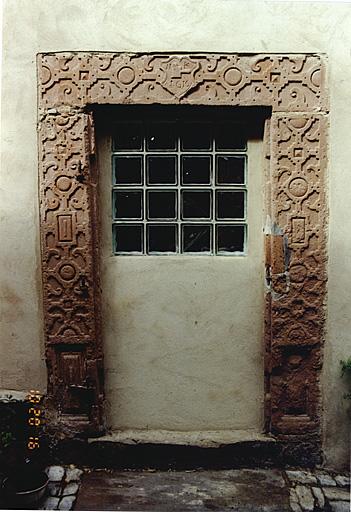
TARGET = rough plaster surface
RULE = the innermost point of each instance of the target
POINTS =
(182, 334)
(31, 27)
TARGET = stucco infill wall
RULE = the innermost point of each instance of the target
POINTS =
(294, 86)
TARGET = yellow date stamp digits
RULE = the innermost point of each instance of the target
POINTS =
(34, 396)
(33, 443)
(35, 414)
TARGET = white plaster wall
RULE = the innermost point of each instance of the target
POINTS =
(32, 26)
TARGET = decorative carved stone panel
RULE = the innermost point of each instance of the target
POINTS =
(295, 146)
(70, 284)
(298, 159)
(287, 83)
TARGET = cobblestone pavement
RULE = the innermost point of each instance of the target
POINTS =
(62, 489)
(239, 490)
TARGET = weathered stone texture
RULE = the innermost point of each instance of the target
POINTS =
(336, 494)
(296, 312)
(303, 477)
(55, 473)
(318, 494)
(69, 267)
(288, 83)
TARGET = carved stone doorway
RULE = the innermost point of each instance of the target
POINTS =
(293, 86)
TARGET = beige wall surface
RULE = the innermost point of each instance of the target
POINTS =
(183, 333)
(31, 26)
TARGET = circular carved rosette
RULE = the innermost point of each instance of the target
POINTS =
(298, 188)
(67, 273)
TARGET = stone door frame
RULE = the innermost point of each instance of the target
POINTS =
(294, 87)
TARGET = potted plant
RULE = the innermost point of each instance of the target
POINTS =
(23, 479)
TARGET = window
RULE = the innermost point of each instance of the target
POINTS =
(179, 186)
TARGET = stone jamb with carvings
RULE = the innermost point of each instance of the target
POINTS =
(294, 86)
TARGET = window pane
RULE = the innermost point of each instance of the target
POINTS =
(196, 238)
(230, 170)
(161, 136)
(128, 237)
(196, 136)
(230, 238)
(229, 137)
(161, 170)
(128, 137)
(128, 170)
(196, 170)
(196, 204)
(162, 238)
(128, 204)
(162, 204)
(230, 204)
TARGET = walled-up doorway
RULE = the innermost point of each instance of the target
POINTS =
(182, 267)
(293, 87)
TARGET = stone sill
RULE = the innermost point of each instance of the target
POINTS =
(204, 439)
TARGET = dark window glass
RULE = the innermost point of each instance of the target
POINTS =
(128, 137)
(161, 170)
(128, 237)
(161, 136)
(162, 204)
(229, 137)
(162, 238)
(230, 204)
(128, 170)
(230, 238)
(196, 170)
(196, 238)
(128, 204)
(196, 204)
(230, 170)
(196, 136)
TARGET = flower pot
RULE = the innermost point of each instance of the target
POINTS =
(27, 493)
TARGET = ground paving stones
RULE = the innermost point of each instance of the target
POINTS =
(50, 503)
(239, 490)
(54, 489)
(73, 474)
(306, 499)
(62, 488)
(342, 480)
(336, 493)
(176, 491)
(67, 503)
(318, 494)
(70, 489)
(303, 477)
(294, 501)
(340, 506)
(55, 473)
(325, 479)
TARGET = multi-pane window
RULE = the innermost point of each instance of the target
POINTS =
(179, 187)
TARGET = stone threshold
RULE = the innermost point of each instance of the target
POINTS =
(203, 439)
(165, 450)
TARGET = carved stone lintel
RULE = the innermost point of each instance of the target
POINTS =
(287, 83)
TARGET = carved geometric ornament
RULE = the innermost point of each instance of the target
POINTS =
(293, 86)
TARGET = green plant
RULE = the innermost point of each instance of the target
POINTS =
(5, 439)
(346, 372)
